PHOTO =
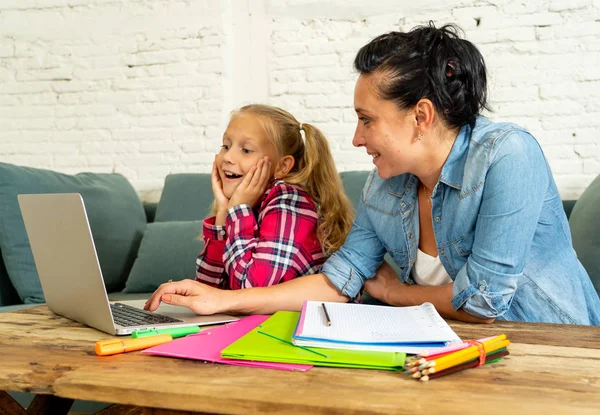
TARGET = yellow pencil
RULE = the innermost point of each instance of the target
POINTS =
(465, 358)
(468, 350)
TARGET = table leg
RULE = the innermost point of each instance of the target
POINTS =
(8, 406)
(41, 405)
(139, 410)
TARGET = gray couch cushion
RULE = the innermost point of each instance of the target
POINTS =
(185, 196)
(115, 213)
(168, 251)
(584, 222)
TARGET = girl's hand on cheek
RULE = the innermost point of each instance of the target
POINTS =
(253, 186)
(221, 201)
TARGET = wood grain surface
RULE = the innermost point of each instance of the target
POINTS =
(551, 369)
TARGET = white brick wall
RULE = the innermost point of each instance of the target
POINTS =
(145, 87)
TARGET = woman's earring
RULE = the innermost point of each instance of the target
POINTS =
(419, 135)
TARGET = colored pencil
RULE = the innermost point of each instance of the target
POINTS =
(450, 361)
(487, 345)
(491, 358)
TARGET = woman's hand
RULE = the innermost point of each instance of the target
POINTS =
(253, 186)
(384, 283)
(200, 298)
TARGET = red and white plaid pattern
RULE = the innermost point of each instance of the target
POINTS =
(275, 243)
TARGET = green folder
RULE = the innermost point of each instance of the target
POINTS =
(272, 342)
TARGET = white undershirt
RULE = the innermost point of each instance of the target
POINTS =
(428, 270)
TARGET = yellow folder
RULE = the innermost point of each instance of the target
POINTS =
(272, 342)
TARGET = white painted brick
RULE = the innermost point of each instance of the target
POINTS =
(158, 121)
(73, 86)
(28, 124)
(75, 161)
(522, 7)
(102, 122)
(9, 100)
(567, 5)
(161, 147)
(109, 147)
(24, 87)
(99, 160)
(587, 151)
(510, 94)
(560, 107)
(80, 136)
(96, 74)
(327, 61)
(65, 124)
(85, 110)
(289, 75)
(27, 112)
(45, 74)
(148, 83)
(47, 148)
(7, 49)
(140, 160)
(591, 166)
(466, 16)
(37, 161)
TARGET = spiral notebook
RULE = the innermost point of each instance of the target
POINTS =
(372, 327)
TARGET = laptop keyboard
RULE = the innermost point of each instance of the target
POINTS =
(128, 316)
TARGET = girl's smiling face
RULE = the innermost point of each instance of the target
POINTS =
(244, 144)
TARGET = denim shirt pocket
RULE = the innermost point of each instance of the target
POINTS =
(462, 248)
(464, 245)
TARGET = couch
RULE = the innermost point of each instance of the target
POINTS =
(165, 239)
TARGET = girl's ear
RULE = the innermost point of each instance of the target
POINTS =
(286, 163)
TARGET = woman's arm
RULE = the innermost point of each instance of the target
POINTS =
(205, 300)
(386, 287)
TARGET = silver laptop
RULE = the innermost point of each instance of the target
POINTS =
(70, 275)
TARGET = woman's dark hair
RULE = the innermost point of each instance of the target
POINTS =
(428, 62)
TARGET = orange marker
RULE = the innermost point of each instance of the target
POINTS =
(116, 346)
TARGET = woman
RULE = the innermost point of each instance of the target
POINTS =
(467, 208)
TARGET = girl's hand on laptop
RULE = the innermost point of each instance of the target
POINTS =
(254, 184)
(200, 298)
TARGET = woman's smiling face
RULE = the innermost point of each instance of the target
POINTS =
(244, 144)
(386, 132)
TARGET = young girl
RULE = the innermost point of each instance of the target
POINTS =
(280, 208)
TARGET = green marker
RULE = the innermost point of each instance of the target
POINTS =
(174, 332)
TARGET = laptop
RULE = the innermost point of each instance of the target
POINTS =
(67, 264)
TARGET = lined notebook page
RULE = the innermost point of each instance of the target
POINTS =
(361, 323)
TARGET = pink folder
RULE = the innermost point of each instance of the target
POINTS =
(207, 345)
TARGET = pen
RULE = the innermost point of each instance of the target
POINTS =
(116, 346)
(326, 314)
(174, 332)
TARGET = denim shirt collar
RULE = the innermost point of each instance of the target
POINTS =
(404, 185)
(454, 167)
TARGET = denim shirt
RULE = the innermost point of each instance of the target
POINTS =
(501, 231)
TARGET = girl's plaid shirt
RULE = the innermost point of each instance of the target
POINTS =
(277, 242)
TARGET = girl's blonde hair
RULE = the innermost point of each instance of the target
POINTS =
(314, 170)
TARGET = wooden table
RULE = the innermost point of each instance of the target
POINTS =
(551, 369)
